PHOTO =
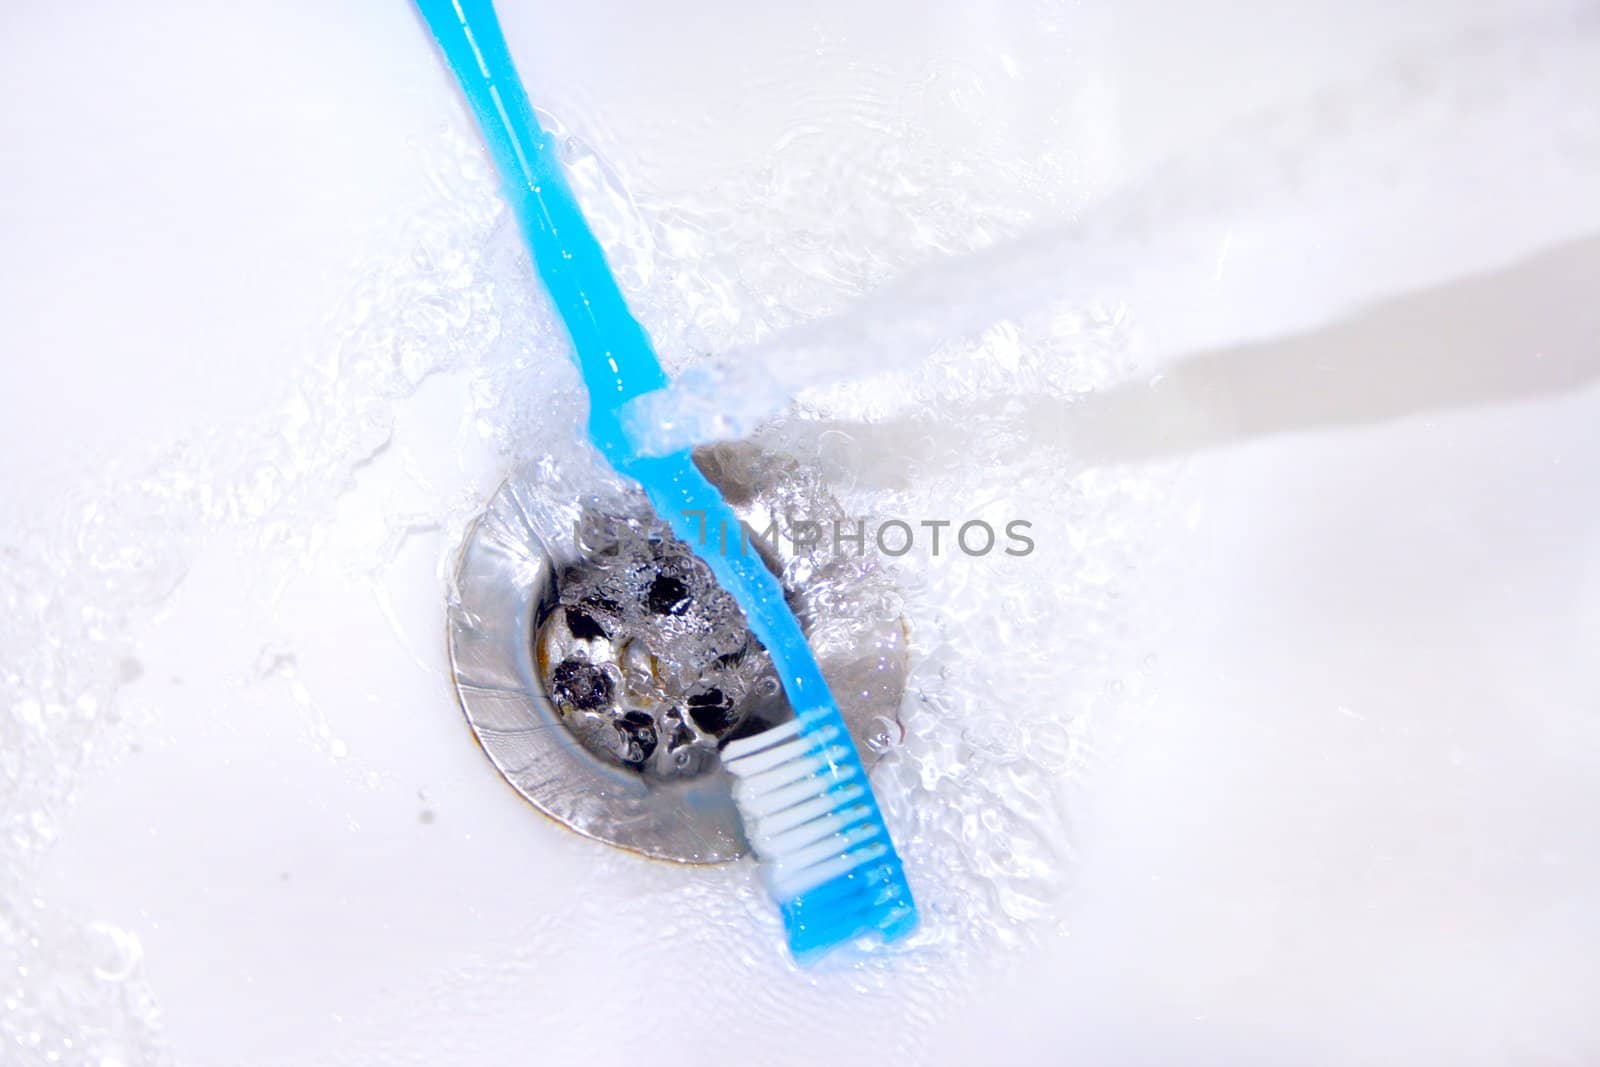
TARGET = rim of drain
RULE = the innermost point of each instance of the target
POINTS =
(506, 575)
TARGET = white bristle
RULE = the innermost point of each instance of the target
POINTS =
(815, 830)
(745, 746)
(765, 759)
(789, 882)
(777, 755)
(809, 856)
(803, 812)
(755, 803)
(803, 765)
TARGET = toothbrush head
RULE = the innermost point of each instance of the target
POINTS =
(811, 818)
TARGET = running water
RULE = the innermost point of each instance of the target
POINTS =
(1278, 228)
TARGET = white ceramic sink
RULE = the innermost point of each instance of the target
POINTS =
(1319, 569)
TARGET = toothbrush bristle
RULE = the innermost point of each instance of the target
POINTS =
(812, 820)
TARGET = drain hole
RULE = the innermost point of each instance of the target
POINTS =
(647, 660)
(585, 627)
(667, 596)
(637, 731)
(579, 686)
(712, 711)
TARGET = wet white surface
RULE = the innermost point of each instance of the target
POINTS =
(1322, 607)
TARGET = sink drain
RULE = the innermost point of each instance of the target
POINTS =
(601, 667)
(646, 659)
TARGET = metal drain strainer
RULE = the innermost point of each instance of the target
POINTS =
(601, 667)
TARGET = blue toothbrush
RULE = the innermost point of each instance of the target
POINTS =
(807, 807)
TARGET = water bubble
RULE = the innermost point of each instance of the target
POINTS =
(116, 952)
(884, 734)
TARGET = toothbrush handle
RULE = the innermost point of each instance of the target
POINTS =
(612, 349)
